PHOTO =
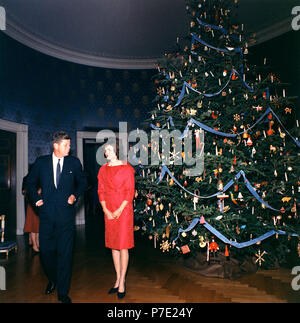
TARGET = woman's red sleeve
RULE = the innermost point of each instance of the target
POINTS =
(129, 185)
(101, 185)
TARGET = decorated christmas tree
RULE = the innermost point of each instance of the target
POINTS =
(228, 183)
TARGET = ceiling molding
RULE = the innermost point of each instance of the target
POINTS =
(60, 52)
(273, 31)
(44, 35)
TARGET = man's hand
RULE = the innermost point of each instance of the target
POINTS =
(39, 203)
(71, 199)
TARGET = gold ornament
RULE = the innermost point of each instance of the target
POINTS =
(259, 256)
(236, 117)
(202, 243)
(165, 246)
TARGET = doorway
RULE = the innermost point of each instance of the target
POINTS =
(91, 167)
(21, 168)
(8, 180)
(86, 152)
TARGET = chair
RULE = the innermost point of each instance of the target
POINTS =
(6, 246)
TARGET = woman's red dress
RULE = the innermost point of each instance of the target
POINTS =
(115, 185)
(32, 220)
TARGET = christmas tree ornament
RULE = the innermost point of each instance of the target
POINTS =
(221, 198)
(259, 256)
(213, 115)
(270, 131)
(156, 238)
(168, 231)
(240, 196)
(226, 252)
(213, 246)
(237, 117)
(288, 110)
(176, 217)
(234, 77)
(199, 104)
(165, 245)
(257, 108)
(185, 249)
(157, 208)
(202, 243)
(249, 141)
(195, 201)
(220, 186)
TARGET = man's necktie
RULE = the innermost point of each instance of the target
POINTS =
(58, 172)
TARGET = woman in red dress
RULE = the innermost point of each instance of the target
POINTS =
(32, 222)
(116, 191)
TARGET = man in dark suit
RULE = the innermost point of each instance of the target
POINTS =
(62, 181)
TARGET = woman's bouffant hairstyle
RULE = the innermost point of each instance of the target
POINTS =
(116, 146)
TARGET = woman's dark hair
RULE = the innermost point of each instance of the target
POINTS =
(116, 146)
(58, 136)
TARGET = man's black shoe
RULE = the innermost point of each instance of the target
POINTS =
(50, 288)
(64, 299)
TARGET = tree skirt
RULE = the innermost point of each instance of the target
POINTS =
(218, 266)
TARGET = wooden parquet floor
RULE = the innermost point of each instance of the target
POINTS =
(153, 277)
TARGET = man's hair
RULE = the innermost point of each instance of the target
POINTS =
(59, 136)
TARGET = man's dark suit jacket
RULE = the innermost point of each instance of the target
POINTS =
(72, 181)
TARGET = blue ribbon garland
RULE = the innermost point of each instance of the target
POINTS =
(219, 133)
(225, 188)
(238, 245)
(223, 30)
(232, 135)
(294, 139)
(185, 84)
(224, 50)
(158, 128)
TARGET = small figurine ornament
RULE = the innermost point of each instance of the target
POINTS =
(213, 246)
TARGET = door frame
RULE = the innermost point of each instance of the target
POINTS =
(21, 131)
(80, 136)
